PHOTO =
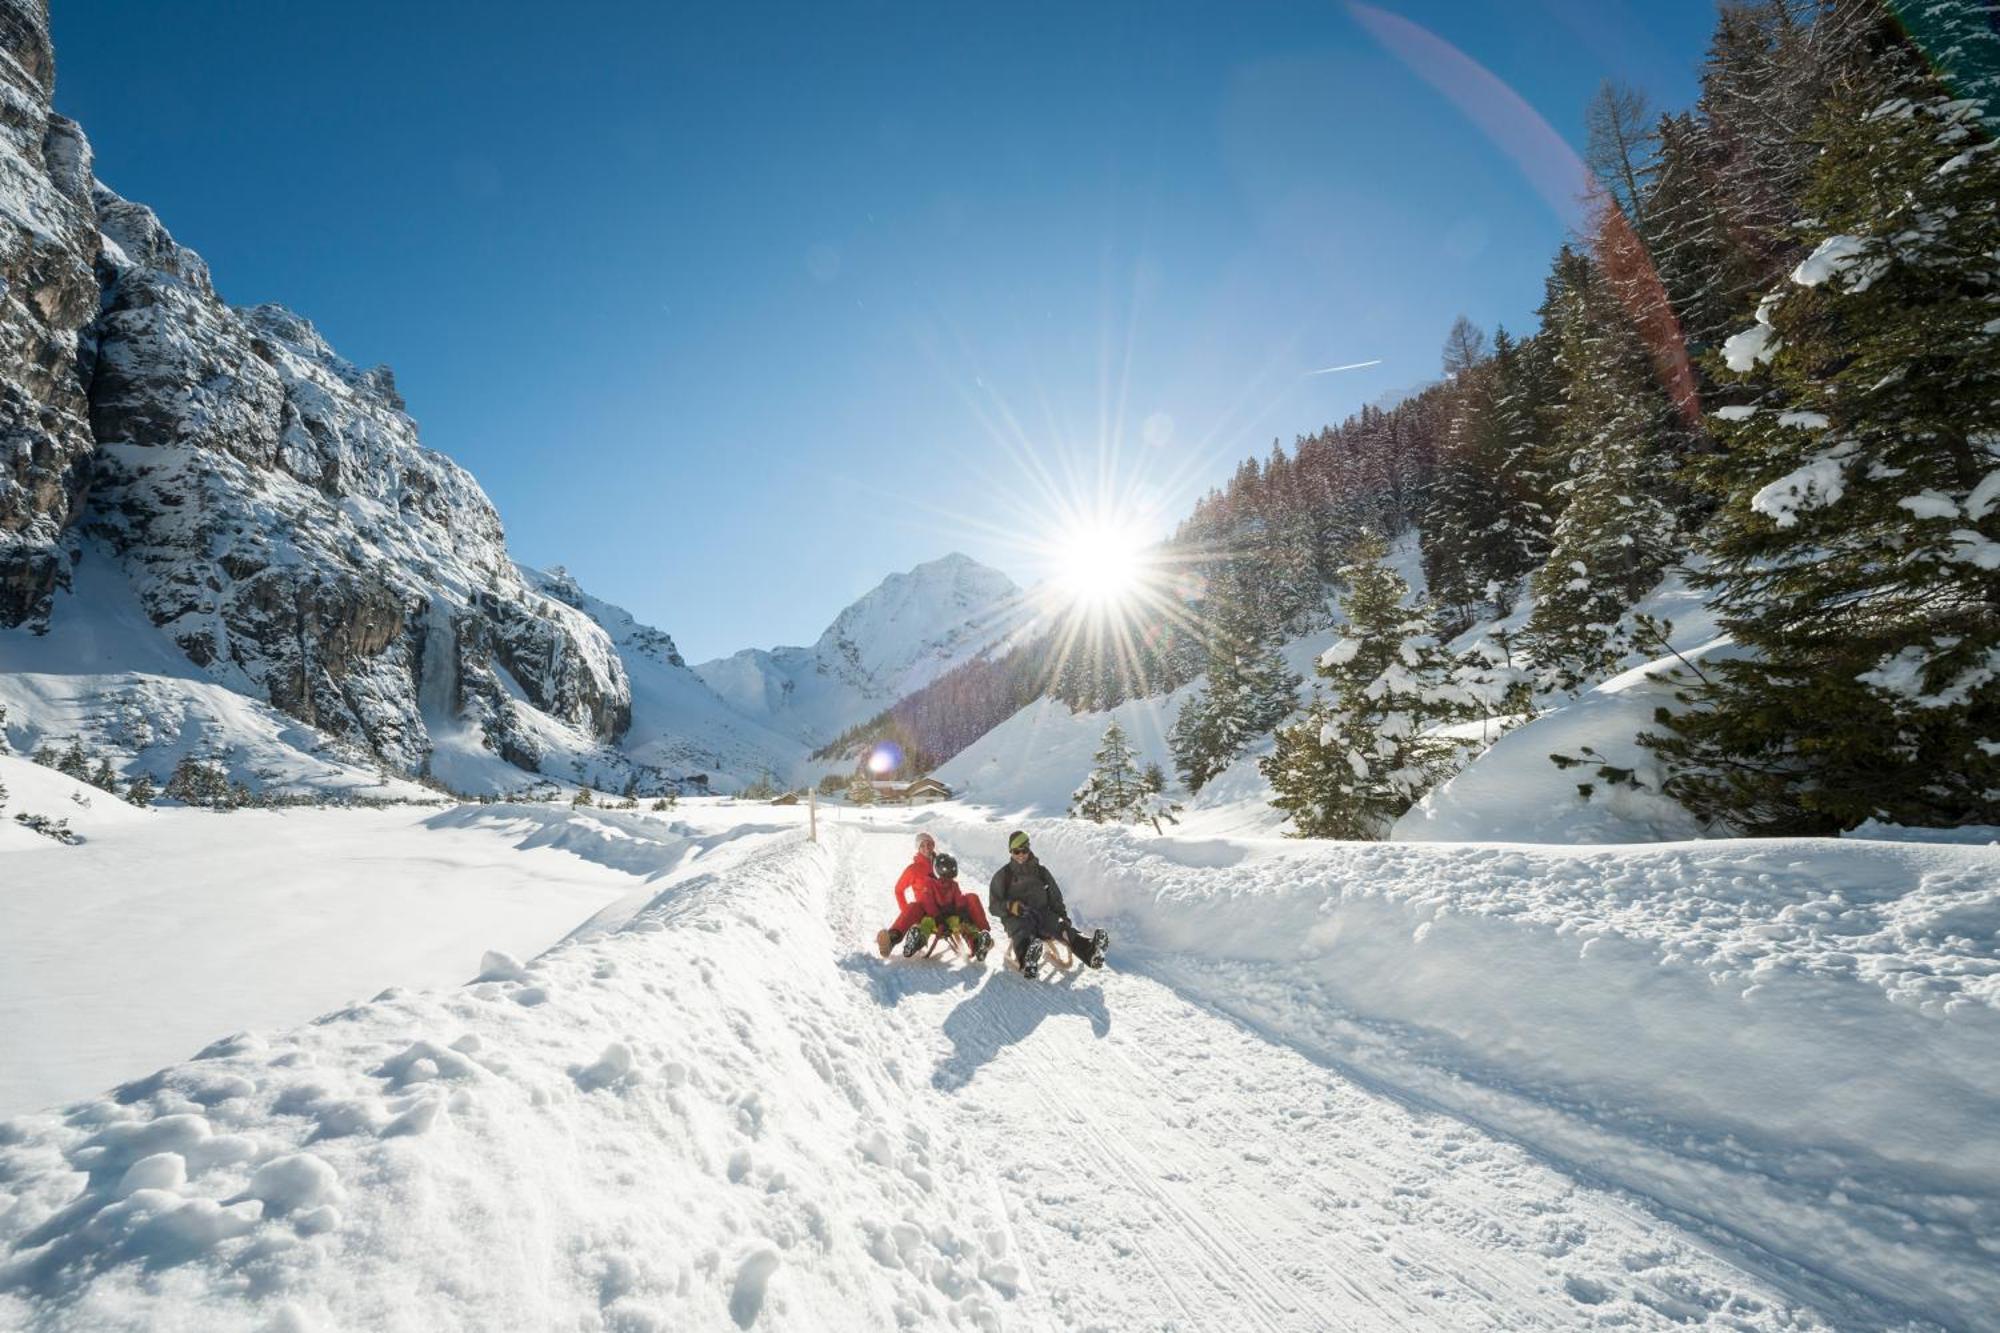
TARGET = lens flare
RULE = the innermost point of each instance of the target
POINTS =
(885, 758)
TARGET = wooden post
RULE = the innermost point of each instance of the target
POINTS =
(812, 814)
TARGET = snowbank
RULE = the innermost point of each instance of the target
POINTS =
(674, 1125)
(1515, 792)
(1796, 1040)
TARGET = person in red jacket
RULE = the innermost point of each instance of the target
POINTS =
(917, 873)
(928, 900)
(912, 895)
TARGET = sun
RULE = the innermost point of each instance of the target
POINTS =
(1102, 565)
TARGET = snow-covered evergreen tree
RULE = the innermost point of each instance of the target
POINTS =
(1617, 531)
(1485, 527)
(1193, 742)
(141, 792)
(195, 783)
(1115, 787)
(1857, 548)
(1248, 692)
(1361, 756)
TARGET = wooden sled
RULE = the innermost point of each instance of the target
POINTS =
(1056, 957)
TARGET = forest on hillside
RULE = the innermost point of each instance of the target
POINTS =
(1773, 359)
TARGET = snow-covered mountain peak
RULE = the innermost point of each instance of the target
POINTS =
(906, 611)
(899, 636)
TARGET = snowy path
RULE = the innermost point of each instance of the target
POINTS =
(1163, 1167)
(721, 1110)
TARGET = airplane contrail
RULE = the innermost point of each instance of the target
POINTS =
(1352, 365)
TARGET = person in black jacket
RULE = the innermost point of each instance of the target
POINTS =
(1025, 900)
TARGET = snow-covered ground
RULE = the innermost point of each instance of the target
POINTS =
(1722, 1084)
(167, 928)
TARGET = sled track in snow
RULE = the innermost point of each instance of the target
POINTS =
(1195, 1171)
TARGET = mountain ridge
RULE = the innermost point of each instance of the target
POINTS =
(875, 650)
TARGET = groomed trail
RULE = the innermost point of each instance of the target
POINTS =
(1164, 1167)
(724, 1111)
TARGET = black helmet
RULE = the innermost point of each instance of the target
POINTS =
(946, 865)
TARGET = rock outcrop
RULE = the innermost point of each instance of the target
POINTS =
(271, 503)
(48, 293)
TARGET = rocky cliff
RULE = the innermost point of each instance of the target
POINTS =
(270, 503)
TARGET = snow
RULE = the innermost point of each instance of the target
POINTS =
(206, 923)
(1742, 352)
(1974, 548)
(1821, 482)
(1930, 504)
(679, 724)
(1903, 674)
(1849, 257)
(1029, 764)
(1736, 1084)
(1984, 496)
(1775, 1007)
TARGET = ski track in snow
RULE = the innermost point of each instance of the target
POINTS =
(729, 1113)
(1183, 1172)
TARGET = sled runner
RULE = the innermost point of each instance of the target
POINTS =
(1056, 957)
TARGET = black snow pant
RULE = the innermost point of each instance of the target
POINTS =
(1034, 925)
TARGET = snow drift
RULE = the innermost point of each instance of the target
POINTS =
(1797, 1041)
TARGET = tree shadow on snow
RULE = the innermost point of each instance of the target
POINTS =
(1007, 1011)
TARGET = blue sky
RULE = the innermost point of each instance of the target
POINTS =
(725, 305)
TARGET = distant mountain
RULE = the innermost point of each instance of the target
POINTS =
(679, 725)
(896, 639)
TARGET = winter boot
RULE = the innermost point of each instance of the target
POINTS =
(885, 940)
(981, 943)
(1031, 960)
(1099, 942)
(919, 936)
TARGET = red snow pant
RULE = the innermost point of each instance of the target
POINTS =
(939, 906)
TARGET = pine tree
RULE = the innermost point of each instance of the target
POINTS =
(73, 762)
(1249, 688)
(1194, 743)
(103, 777)
(583, 797)
(1114, 789)
(195, 783)
(1617, 532)
(1360, 758)
(1856, 552)
(141, 792)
